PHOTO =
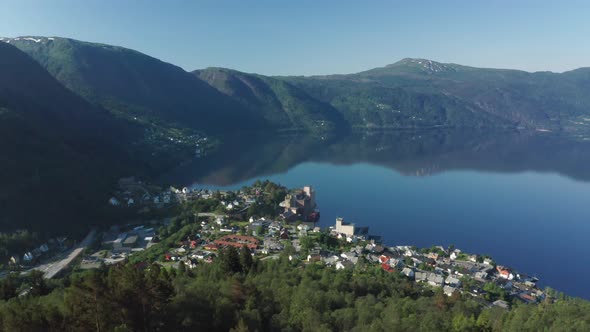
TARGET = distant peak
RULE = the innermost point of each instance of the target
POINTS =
(425, 65)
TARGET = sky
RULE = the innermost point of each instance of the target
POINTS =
(319, 37)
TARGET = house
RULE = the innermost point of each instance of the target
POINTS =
(384, 259)
(27, 257)
(274, 227)
(272, 245)
(14, 259)
(343, 227)
(506, 284)
(386, 267)
(351, 239)
(373, 258)
(504, 272)
(331, 260)
(435, 280)
(396, 263)
(453, 281)
(481, 276)
(350, 256)
(408, 272)
(421, 276)
(449, 290)
(219, 220)
(378, 249)
(118, 242)
(501, 304)
(130, 241)
(199, 255)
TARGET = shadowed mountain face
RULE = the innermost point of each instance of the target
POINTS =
(280, 103)
(56, 159)
(133, 84)
(416, 153)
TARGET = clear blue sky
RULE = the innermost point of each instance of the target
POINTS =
(319, 37)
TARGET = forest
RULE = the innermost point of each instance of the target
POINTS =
(240, 293)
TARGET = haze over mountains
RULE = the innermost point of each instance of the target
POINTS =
(75, 116)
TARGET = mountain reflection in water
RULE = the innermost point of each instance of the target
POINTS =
(417, 153)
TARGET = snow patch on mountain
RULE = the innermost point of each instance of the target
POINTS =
(429, 65)
(28, 39)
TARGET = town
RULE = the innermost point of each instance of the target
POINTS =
(268, 221)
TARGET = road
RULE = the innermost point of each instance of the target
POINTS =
(52, 269)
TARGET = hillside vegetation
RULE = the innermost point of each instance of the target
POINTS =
(280, 103)
(236, 293)
(423, 93)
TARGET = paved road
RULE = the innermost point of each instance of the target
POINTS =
(51, 269)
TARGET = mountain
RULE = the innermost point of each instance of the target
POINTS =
(280, 103)
(408, 94)
(134, 85)
(56, 162)
(424, 93)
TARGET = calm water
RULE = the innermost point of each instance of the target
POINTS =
(523, 199)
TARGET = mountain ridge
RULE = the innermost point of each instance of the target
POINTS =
(409, 93)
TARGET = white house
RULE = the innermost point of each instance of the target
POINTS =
(448, 290)
(344, 227)
(408, 272)
(452, 281)
(28, 257)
